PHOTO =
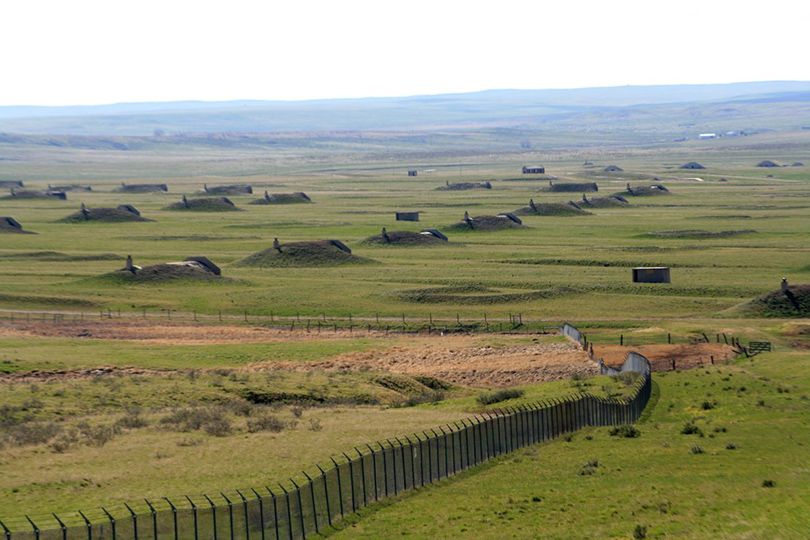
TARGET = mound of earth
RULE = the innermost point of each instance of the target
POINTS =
(122, 213)
(461, 186)
(403, 239)
(304, 254)
(552, 209)
(604, 202)
(11, 184)
(12, 226)
(486, 223)
(142, 188)
(158, 273)
(644, 191)
(692, 165)
(299, 197)
(205, 204)
(233, 189)
(794, 302)
(70, 187)
(767, 163)
(587, 187)
(31, 194)
(613, 168)
(699, 233)
(477, 295)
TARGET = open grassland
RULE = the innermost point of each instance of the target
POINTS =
(742, 472)
(134, 415)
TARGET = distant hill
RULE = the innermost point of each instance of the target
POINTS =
(597, 108)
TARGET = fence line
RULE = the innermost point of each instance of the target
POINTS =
(351, 483)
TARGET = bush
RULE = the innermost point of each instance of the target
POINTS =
(315, 424)
(97, 435)
(691, 429)
(768, 483)
(132, 420)
(192, 419)
(32, 433)
(218, 427)
(266, 423)
(427, 397)
(731, 446)
(707, 405)
(626, 431)
(640, 532)
(500, 395)
(697, 450)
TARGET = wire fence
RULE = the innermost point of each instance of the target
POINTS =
(353, 481)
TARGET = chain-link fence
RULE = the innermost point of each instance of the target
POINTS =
(351, 482)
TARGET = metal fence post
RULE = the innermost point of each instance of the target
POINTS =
(174, 516)
(430, 458)
(230, 512)
(393, 463)
(64, 528)
(385, 467)
(402, 457)
(300, 508)
(90, 525)
(247, 520)
(374, 466)
(362, 475)
(134, 521)
(275, 511)
(8, 532)
(109, 516)
(213, 515)
(261, 514)
(340, 486)
(194, 515)
(326, 496)
(413, 458)
(351, 481)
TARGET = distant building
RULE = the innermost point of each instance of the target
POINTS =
(412, 173)
(534, 169)
(407, 216)
(651, 274)
(707, 136)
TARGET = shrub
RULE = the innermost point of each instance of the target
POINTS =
(427, 397)
(192, 419)
(697, 450)
(500, 395)
(691, 429)
(132, 420)
(731, 446)
(218, 427)
(720, 429)
(707, 405)
(266, 423)
(32, 433)
(640, 532)
(297, 411)
(315, 424)
(627, 431)
(768, 483)
(97, 435)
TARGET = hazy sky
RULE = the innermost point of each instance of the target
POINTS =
(59, 52)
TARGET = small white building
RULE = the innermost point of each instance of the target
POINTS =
(707, 136)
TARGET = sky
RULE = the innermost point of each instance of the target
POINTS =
(84, 52)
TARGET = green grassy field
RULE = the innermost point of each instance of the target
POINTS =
(729, 233)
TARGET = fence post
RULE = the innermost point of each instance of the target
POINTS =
(314, 506)
(362, 475)
(194, 515)
(300, 508)
(131, 512)
(289, 511)
(213, 515)
(326, 495)
(90, 525)
(374, 466)
(413, 457)
(64, 528)
(385, 468)
(430, 458)
(109, 516)
(247, 522)
(402, 456)
(261, 514)
(230, 512)
(8, 532)
(452, 446)
(340, 486)
(275, 511)
(351, 481)
(393, 463)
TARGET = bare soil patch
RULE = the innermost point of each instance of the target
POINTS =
(461, 363)
(661, 356)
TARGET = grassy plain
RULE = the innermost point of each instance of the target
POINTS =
(559, 268)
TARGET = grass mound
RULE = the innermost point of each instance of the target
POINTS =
(486, 223)
(32, 194)
(303, 254)
(299, 197)
(56, 256)
(794, 302)
(476, 295)
(552, 209)
(105, 215)
(644, 191)
(12, 226)
(604, 202)
(233, 189)
(206, 204)
(402, 239)
(70, 187)
(462, 186)
(587, 187)
(699, 233)
(142, 188)
(159, 273)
